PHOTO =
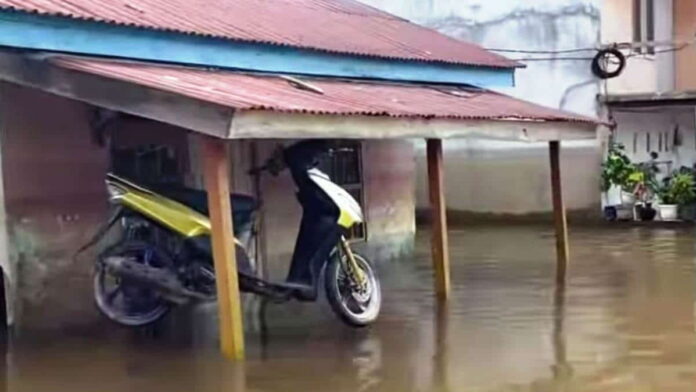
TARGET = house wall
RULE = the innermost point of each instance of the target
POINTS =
(513, 181)
(389, 191)
(637, 123)
(53, 177)
(685, 30)
(643, 73)
(488, 177)
(53, 172)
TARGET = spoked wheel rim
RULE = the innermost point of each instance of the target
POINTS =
(128, 302)
(361, 303)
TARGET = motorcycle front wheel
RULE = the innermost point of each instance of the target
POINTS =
(357, 307)
(125, 302)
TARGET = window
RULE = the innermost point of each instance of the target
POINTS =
(150, 164)
(644, 25)
(345, 169)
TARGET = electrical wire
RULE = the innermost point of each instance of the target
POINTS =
(675, 47)
(553, 59)
(542, 51)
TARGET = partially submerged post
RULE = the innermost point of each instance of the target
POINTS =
(440, 250)
(217, 182)
(3, 312)
(3, 335)
(559, 213)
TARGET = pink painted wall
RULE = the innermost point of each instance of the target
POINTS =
(53, 176)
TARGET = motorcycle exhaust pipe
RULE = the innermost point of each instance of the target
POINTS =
(158, 278)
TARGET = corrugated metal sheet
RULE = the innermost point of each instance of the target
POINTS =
(340, 26)
(337, 97)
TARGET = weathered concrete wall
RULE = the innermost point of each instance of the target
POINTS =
(513, 182)
(512, 178)
(635, 124)
(389, 172)
(53, 176)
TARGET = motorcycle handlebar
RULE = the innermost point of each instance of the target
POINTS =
(275, 163)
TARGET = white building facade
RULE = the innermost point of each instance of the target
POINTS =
(653, 102)
(491, 177)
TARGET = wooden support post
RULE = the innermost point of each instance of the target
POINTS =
(216, 164)
(559, 213)
(4, 338)
(440, 251)
(441, 358)
(4, 331)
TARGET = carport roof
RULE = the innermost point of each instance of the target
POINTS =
(247, 92)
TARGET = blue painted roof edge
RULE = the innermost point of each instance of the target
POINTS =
(51, 33)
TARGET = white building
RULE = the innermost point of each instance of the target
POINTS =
(511, 178)
(652, 102)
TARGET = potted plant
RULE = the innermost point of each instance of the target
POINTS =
(644, 183)
(643, 193)
(677, 190)
(616, 171)
(687, 212)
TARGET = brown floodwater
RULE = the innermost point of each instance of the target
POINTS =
(625, 322)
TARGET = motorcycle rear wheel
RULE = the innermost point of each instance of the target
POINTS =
(128, 303)
(357, 308)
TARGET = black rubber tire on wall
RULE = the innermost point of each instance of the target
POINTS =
(599, 71)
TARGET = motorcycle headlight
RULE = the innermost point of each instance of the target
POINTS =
(114, 191)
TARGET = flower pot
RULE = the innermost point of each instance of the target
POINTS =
(646, 212)
(687, 212)
(628, 199)
(612, 197)
(610, 213)
(669, 212)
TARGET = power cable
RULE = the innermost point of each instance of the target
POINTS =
(542, 51)
(675, 47)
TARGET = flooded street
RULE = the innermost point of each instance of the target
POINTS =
(625, 322)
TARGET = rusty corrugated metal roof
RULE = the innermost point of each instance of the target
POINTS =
(337, 97)
(339, 26)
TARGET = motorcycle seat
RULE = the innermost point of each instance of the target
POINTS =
(243, 206)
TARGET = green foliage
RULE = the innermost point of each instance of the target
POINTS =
(643, 181)
(617, 169)
(678, 189)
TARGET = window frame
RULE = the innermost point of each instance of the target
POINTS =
(358, 186)
(643, 26)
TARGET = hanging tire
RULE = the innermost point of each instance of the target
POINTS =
(603, 58)
(356, 307)
(125, 302)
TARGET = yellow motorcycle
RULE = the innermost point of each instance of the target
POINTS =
(164, 256)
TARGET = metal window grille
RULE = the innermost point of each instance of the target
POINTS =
(147, 164)
(344, 168)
